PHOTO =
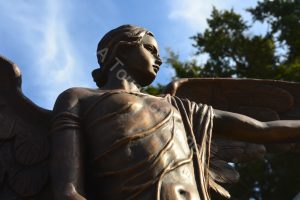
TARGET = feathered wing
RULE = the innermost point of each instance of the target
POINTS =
(24, 148)
(265, 100)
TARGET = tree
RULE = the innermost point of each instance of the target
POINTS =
(283, 17)
(234, 53)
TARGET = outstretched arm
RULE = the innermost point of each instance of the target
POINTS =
(67, 156)
(240, 127)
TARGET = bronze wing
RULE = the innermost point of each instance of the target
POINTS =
(24, 148)
(265, 100)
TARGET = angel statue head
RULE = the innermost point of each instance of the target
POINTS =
(129, 52)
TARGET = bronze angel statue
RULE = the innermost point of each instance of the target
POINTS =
(118, 143)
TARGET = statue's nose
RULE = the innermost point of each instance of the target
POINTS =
(180, 192)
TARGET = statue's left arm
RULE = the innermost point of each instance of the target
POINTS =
(67, 149)
(240, 127)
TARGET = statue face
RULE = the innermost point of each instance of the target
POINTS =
(142, 61)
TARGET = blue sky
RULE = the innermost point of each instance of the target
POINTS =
(54, 41)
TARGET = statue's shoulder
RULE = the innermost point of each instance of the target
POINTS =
(78, 92)
(72, 97)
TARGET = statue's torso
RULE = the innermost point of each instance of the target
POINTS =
(131, 134)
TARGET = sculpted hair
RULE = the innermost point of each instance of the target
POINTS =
(109, 43)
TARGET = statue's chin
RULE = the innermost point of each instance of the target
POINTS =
(146, 81)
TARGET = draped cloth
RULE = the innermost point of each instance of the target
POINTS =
(197, 122)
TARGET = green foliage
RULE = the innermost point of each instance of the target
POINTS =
(234, 53)
(186, 69)
(283, 17)
(154, 90)
(276, 178)
(223, 41)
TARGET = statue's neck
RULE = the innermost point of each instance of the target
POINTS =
(119, 83)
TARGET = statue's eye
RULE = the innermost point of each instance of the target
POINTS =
(150, 48)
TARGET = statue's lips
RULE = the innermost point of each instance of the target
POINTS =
(156, 68)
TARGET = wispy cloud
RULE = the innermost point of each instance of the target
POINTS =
(55, 61)
(58, 58)
(189, 17)
(192, 12)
